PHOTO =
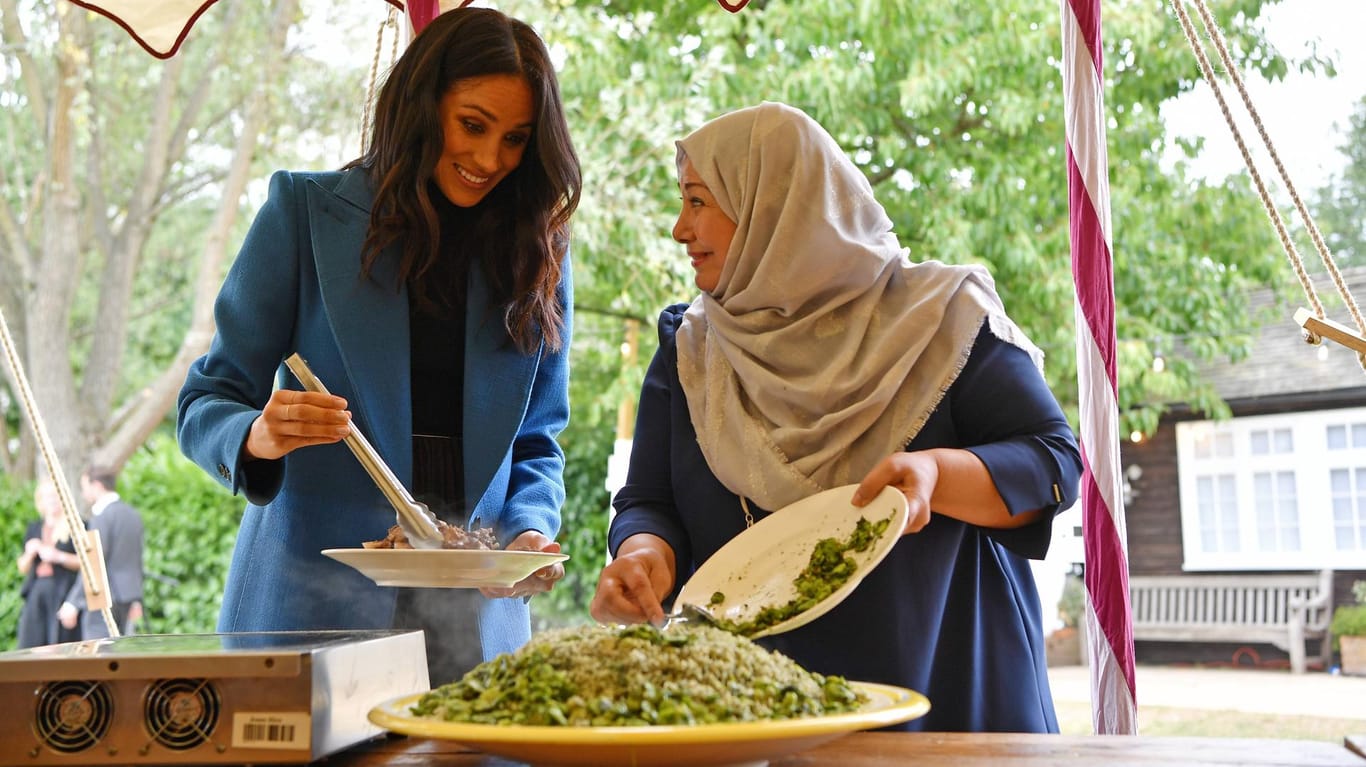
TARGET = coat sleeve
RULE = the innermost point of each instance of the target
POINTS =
(1028, 448)
(536, 483)
(226, 388)
(645, 503)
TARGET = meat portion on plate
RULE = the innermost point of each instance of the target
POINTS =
(452, 537)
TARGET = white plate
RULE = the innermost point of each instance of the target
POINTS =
(445, 568)
(671, 746)
(756, 568)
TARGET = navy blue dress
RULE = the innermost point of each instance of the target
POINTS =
(953, 611)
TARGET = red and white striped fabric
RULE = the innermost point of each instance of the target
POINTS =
(1109, 622)
(418, 14)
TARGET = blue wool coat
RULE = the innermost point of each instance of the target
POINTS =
(297, 286)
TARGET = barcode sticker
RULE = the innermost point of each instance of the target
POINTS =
(271, 730)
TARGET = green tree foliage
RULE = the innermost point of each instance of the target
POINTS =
(956, 116)
(122, 181)
(954, 111)
(190, 524)
(16, 512)
(1341, 209)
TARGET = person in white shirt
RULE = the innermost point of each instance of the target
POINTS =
(121, 534)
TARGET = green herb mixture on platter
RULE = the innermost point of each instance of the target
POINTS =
(638, 675)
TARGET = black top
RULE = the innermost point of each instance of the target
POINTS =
(449, 618)
(437, 354)
(43, 596)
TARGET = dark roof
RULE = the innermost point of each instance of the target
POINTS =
(1281, 362)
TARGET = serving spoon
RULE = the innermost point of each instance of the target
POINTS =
(414, 518)
(687, 612)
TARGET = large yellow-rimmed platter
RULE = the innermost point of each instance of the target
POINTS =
(740, 743)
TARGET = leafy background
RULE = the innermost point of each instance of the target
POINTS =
(189, 524)
(954, 111)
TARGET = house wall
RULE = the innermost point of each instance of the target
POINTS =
(1153, 521)
(1153, 512)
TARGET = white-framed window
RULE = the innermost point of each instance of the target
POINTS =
(1349, 509)
(1274, 492)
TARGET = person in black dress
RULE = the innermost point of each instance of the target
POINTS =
(50, 567)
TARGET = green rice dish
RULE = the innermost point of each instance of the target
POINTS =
(636, 676)
(829, 568)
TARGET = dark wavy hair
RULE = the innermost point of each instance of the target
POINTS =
(520, 231)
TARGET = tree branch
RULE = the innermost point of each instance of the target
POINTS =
(16, 258)
(48, 310)
(191, 113)
(580, 308)
(100, 232)
(157, 398)
(178, 191)
(13, 36)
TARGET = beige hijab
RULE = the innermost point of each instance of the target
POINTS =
(822, 349)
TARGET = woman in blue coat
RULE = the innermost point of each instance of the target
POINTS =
(815, 357)
(427, 285)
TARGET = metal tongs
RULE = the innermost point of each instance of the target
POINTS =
(414, 518)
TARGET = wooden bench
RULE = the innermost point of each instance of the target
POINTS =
(1284, 610)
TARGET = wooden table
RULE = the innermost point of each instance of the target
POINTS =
(885, 749)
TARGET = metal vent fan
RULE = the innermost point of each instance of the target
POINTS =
(181, 713)
(73, 716)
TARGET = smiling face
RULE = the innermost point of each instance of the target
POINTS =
(487, 122)
(702, 227)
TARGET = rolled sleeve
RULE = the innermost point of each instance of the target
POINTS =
(1029, 448)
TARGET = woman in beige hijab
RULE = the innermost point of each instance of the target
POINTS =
(817, 356)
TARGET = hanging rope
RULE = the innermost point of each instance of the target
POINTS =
(368, 113)
(87, 552)
(1322, 325)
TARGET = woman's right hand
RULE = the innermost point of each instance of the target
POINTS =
(631, 588)
(294, 419)
(30, 554)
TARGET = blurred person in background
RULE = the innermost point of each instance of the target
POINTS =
(50, 567)
(121, 538)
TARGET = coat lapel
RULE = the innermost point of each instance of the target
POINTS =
(368, 317)
(370, 322)
(498, 381)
